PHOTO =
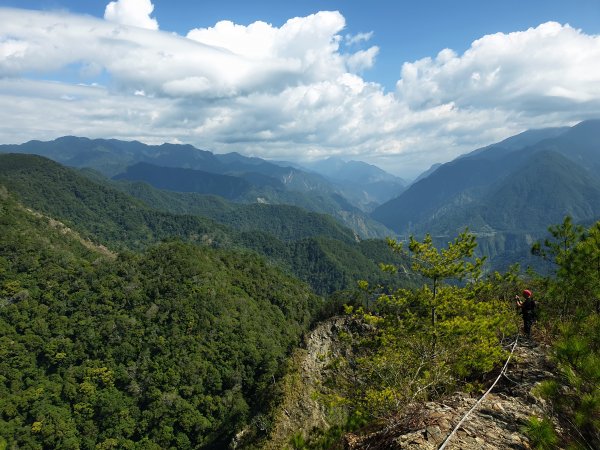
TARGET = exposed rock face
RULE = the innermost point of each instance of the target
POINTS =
(495, 424)
(301, 410)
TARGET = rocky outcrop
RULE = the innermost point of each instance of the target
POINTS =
(301, 411)
(495, 424)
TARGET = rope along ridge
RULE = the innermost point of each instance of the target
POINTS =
(468, 413)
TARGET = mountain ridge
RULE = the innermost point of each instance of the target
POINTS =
(317, 250)
(268, 182)
(506, 193)
(474, 177)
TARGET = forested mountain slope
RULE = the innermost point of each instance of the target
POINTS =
(113, 218)
(182, 343)
(186, 168)
(286, 222)
(187, 180)
(176, 346)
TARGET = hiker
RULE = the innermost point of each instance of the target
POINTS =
(527, 309)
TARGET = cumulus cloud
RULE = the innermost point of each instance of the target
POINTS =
(308, 47)
(550, 64)
(131, 12)
(285, 92)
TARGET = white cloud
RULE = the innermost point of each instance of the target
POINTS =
(304, 48)
(12, 49)
(286, 92)
(358, 38)
(363, 59)
(131, 12)
(521, 71)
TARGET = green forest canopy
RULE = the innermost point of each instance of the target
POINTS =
(172, 347)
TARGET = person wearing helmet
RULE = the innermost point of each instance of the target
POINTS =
(527, 310)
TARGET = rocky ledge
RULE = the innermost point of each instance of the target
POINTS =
(496, 423)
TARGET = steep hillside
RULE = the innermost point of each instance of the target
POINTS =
(428, 172)
(544, 190)
(454, 184)
(335, 205)
(173, 347)
(519, 141)
(497, 423)
(249, 189)
(581, 144)
(283, 221)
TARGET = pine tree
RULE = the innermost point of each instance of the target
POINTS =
(424, 342)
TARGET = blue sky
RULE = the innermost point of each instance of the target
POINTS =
(372, 81)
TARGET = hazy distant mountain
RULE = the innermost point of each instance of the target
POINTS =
(234, 176)
(187, 180)
(112, 156)
(367, 185)
(519, 141)
(473, 178)
(580, 143)
(253, 188)
(541, 192)
(428, 172)
(339, 169)
(292, 178)
(519, 186)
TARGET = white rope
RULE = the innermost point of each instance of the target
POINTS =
(441, 447)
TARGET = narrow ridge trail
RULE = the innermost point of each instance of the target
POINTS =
(494, 424)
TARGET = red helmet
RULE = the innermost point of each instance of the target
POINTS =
(527, 293)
